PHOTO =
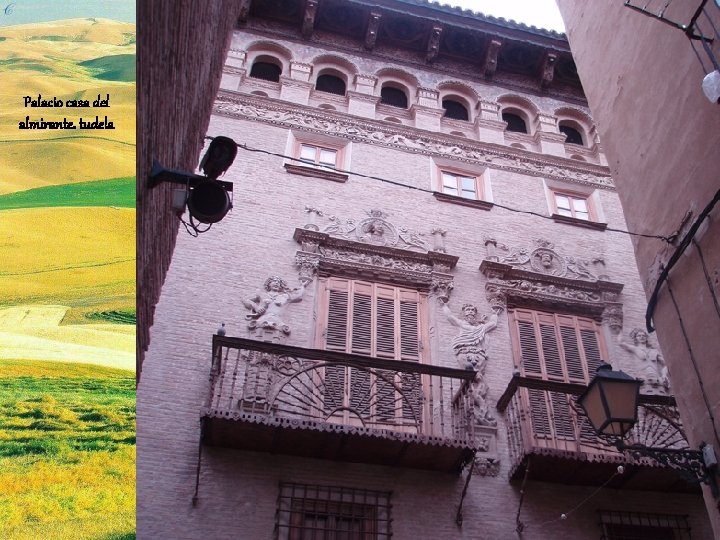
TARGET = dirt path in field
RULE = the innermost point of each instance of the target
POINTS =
(34, 333)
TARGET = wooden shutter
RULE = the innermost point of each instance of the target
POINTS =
(527, 346)
(385, 321)
(362, 303)
(409, 325)
(376, 320)
(556, 347)
(337, 315)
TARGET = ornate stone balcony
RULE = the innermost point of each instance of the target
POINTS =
(276, 398)
(550, 439)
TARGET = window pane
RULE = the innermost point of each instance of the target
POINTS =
(327, 157)
(307, 153)
(468, 194)
(562, 202)
(449, 180)
(582, 215)
(468, 184)
(564, 212)
(580, 205)
(450, 190)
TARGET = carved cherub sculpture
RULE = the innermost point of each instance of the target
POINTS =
(654, 369)
(266, 310)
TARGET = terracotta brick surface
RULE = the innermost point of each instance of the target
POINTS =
(209, 276)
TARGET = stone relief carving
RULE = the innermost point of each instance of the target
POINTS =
(407, 139)
(470, 347)
(375, 229)
(654, 371)
(612, 316)
(486, 466)
(544, 259)
(267, 309)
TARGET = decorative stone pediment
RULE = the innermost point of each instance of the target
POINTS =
(375, 229)
(325, 254)
(542, 276)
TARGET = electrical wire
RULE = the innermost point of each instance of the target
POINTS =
(682, 246)
(694, 362)
(400, 184)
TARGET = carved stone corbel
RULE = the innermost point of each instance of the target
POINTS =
(309, 18)
(548, 70)
(434, 43)
(244, 10)
(442, 286)
(486, 466)
(491, 58)
(307, 263)
(372, 30)
(612, 316)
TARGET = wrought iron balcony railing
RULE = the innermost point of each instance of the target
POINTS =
(271, 397)
(545, 424)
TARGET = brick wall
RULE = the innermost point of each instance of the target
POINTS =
(178, 70)
(210, 275)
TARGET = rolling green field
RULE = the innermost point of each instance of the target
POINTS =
(67, 451)
(116, 192)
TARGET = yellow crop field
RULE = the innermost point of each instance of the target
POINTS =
(83, 258)
(34, 163)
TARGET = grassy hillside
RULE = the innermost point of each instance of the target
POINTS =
(118, 67)
(67, 451)
(115, 192)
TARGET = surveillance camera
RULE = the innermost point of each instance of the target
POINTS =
(711, 86)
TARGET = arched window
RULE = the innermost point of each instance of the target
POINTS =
(514, 122)
(573, 135)
(455, 110)
(267, 71)
(331, 84)
(389, 95)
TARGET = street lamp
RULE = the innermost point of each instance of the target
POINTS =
(611, 404)
(207, 198)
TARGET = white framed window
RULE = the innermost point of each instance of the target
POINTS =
(574, 205)
(461, 185)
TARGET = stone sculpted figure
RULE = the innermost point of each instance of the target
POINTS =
(654, 369)
(470, 344)
(470, 347)
(266, 310)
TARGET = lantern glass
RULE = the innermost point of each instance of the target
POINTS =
(610, 401)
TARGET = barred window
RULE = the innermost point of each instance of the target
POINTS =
(311, 512)
(619, 525)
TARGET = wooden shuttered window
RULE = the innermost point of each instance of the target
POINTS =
(376, 320)
(372, 319)
(555, 347)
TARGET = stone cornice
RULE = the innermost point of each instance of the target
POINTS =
(514, 284)
(337, 256)
(237, 105)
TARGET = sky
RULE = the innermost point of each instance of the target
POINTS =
(31, 11)
(540, 13)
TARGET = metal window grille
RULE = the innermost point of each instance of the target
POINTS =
(620, 525)
(312, 512)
